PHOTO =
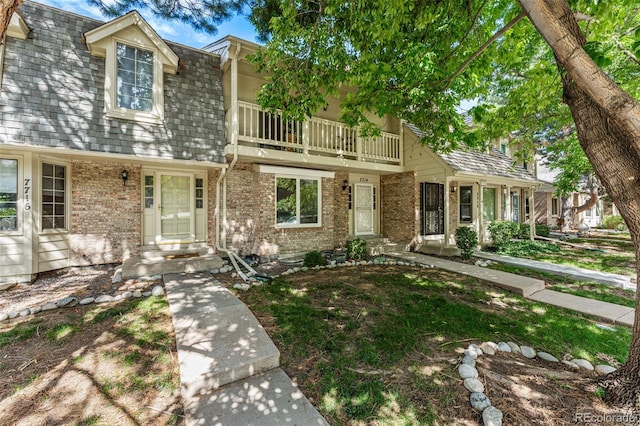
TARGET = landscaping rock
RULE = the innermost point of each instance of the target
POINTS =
(6, 286)
(146, 293)
(117, 276)
(467, 372)
(504, 347)
(473, 385)
(604, 369)
(547, 357)
(117, 298)
(105, 298)
(468, 360)
(489, 348)
(49, 306)
(570, 364)
(4, 317)
(514, 348)
(87, 301)
(127, 295)
(13, 314)
(25, 312)
(67, 302)
(479, 401)
(605, 327)
(243, 287)
(491, 416)
(234, 275)
(36, 310)
(583, 363)
(137, 293)
(157, 290)
(214, 271)
(471, 352)
(528, 352)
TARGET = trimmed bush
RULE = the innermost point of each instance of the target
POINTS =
(466, 240)
(502, 232)
(614, 222)
(357, 249)
(541, 231)
(313, 258)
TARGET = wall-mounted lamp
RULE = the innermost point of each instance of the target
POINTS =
(454, 189)
(125, 176)
(345, 184)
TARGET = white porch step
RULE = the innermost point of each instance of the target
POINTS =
(175, 250)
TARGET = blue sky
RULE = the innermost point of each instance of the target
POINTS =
(170, 30)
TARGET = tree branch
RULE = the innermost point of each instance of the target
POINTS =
(484, 47)
(626, 51)
(468, 33)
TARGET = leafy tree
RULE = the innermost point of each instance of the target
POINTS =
(556, 61)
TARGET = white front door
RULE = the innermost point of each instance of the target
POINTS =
(176, 210)
(364, 220)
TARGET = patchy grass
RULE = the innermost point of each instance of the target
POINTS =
(596, 291)
(375, 347)
(92, 365)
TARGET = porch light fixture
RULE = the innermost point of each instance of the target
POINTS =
(345, 185)
(125, 176)
(454, 189)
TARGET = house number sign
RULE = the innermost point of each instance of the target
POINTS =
(27, 197)
(364, 179)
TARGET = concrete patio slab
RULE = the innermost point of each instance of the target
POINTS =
(267, 399)
(603, 310)
(219, 340)
(581, 274)
(523, 286)
(135, 267)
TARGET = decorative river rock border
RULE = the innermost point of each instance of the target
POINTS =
(492, 416)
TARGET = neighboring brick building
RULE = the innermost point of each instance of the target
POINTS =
(68, 131)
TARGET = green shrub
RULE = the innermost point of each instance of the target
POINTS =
(527, 248)
(541, 231)
(613, 222)
(502, 232)
(466, 240)
(313, 258)
(357, 249)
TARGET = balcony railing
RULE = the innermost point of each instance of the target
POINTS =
(315, 136)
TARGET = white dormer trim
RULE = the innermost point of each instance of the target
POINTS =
(17, 27)
(94, 38)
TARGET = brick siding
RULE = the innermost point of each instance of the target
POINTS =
(399, 206)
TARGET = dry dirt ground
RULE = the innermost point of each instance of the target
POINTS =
(104, 373)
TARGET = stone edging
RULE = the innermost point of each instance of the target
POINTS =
(492, 416)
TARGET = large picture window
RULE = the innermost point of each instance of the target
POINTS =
(54, 187)
(466, 204)
(135, 78)
(8, 194)
(297, 201)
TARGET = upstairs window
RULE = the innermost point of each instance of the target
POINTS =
(134, 78)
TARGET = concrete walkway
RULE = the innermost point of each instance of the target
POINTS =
(530, 288)
(581, 274)
(229, 367)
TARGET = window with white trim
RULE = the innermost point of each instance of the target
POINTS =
(297, 201)
(466, 204)
(555, 206)
(8, 194)
(134, 74)
(54, 197)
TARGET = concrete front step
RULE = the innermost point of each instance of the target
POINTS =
(379, 249)
(135, 267)
(219, 340)
(165, 250)
(267, 399)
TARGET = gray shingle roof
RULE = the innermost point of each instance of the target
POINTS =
(492, 163)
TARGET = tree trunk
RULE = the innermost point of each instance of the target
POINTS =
(608, 124)
(7, 8)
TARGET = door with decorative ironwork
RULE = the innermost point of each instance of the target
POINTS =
(431, 208)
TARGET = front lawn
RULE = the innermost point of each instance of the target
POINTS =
(616, 257)
(381, 345)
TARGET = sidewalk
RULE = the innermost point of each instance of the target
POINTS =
(530, 288)
(229, 367)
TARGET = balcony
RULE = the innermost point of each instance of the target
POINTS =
(316, 137)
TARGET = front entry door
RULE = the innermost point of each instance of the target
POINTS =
(431, 208)
(364, 220)
(175, 210)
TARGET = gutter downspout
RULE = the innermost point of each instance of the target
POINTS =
(222, 179)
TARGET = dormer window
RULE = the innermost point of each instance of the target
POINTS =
(134, 78)
(135, 60)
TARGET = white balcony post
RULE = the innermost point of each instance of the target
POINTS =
(359, 142)
(305, 137)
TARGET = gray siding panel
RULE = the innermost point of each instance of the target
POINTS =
(53, 95)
